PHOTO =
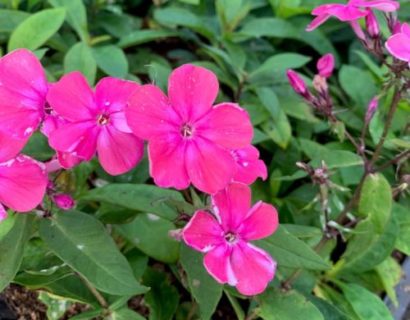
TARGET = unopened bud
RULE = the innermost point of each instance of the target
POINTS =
(371, 109)
(3, 213)
(297, 83)
(320, 83)
(64, 201)
(358, 30)
(325, 65)
(372, 25)
(396, 27)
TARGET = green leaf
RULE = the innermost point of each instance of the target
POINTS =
(139, 197)
(80, 58)
(291, 252)
(83, 243)
(143, 36)
(12, 248)
(290, 305)
(205, 290)
(38, 147)
(231, 12)
(366, 304)
(328, 310)
(76, 16)
(150, 234)
(270, 27)
(111, 60)
(390, 274)
(163, 297)
(126, 314)
(376, 200)
(402, 215)
(37, 29)
(10, 19)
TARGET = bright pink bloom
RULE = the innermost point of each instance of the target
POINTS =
(23, 183)
(325, 65)
(297, 83)
(64, 201)
(399, 44)
(189, 139)
(248, 165)
(225, 236)
(23, 89)
(371, 109)
(372, 25)
(95, 122)
(351, 11)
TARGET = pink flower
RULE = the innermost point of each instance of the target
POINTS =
(399, 44)
(248, 165)
(325, 65)
(225, 236)
(350, 12)
(372, 25)
(94, 122)
(23, 183)
(64, 201)
(189, 140)
(371, 109)
(23, 89)
(297, 82)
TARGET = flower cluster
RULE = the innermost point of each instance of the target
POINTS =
(190, 140)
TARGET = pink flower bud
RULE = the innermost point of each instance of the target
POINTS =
(372, 25)
(64, 201)
(297, 83)
(358, 30)
(325, 65)
(3, 213)
(397, 27)
(371, 109)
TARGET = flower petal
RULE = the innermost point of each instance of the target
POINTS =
(261, 222)
(218, 264)
(68, 160)
(248, 165)
(210, 168)
(72, 98)
(382, 5)
(10, 146)
(149, 113)
(227, 125)
(3, 213)
(23, 183)
(399, 46)
(231, 205)
(253, 268)
(192, 90)
(118, 151)
(317, 22)
(203, 232)
(167, 162)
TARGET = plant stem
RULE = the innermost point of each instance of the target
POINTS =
(395, 160)
(101, 300)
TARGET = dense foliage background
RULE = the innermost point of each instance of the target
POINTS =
(116, 244)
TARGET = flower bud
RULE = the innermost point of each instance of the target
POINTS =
(358, 30)
(297, 83)
(372, 25)
(371, 109)
(3, 213)
(396, 27)
(320, 84)
(325, 65)
(64, 201)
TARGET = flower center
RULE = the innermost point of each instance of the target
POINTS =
(231, 237)
(103, 119)
(187, 131)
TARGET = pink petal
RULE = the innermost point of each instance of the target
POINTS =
(231, 205)
(383, 5)
(203, 232)
(318, 21)
(405, 28)
(248, 165)
(23, 183)
(192, 90)
(3, 213)
(218, 264)
(113, 94)
(80, 138)
(10, 147)
(348, 13)
(119, 121)
(15, 119)
(227, 125)
(261, 222)
(399, 46)
(324, 9)
(210, 168)
(253, 268)
(167, 162)
(68, 160)
(72, 98)
(118, 151)
(149, 113)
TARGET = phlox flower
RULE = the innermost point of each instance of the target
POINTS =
(350, 12)
(225, 236)
(23, 89)
(94, 122)
(189, 140)
(326, 65)
(399, 44)
(64, 201)
(23, 183)
(248, 165)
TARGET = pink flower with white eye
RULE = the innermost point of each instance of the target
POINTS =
(23, 183)
(95, 122)
(325, 65)
(64, 201)
(189, 140)
(349, 12)
(248, 165)
(225, 239)
(23, 89)
(399, 44)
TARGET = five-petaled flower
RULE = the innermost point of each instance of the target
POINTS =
(95, 122)
(399, 43)
(189, 140)
(225, 237)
